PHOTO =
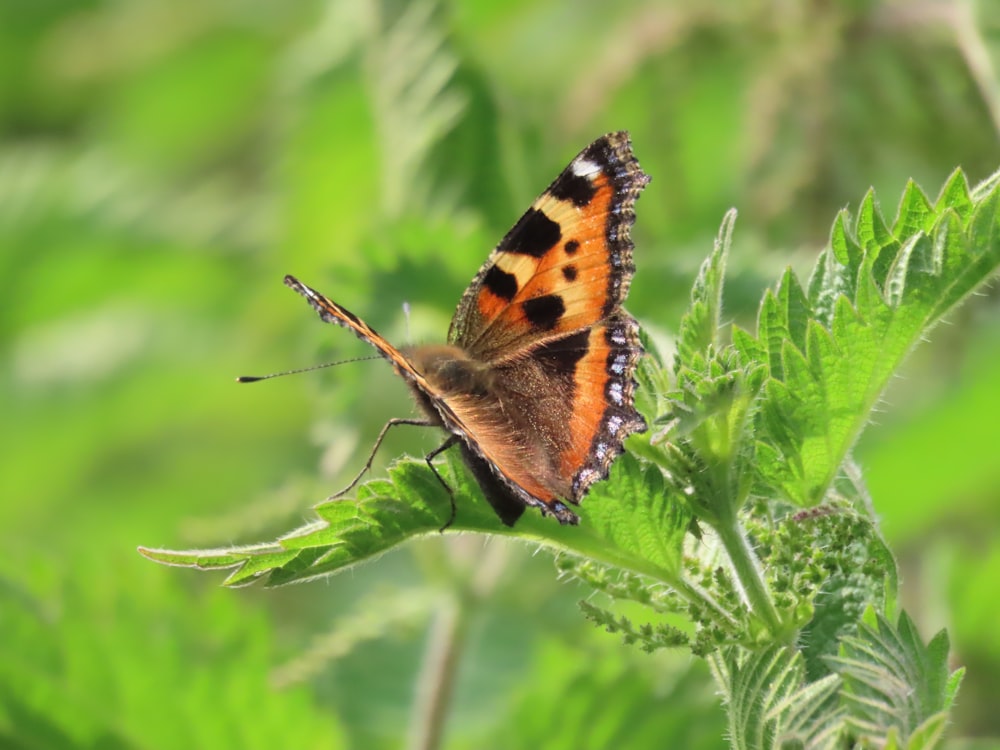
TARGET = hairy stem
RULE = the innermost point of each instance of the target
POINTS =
(748, 571)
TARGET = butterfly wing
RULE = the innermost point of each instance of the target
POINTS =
(544, 314)
(565, 265)
(331, 312)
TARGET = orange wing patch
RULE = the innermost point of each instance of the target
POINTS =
(603, 415)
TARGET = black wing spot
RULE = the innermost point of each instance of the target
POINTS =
(571, 247)
(544, 312)
(501, 283)
(569, 273)
(534, 234)
(572, 187)
(562, 355)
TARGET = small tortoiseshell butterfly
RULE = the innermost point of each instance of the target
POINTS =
(536, 381)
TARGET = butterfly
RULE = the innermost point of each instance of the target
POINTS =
(536, 381)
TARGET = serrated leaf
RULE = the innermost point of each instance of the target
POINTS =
(770, 705)
(876, 296)
(653, 380)
(749, 349)
(384, 514)
(795, 308)
(638, 517)
(699, 329)
(952, 686)
(772, 332)
(955, 194)
(915, 214)
(986, 186)
(893, 684)
(877, 242)
(629, 522)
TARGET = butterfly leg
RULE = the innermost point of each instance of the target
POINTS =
(378, 441)
(429, 458)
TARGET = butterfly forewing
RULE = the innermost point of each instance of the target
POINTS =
(567, 262)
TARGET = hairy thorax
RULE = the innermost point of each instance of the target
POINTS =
(452, 374)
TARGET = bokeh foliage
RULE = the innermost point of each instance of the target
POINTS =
(162, 164)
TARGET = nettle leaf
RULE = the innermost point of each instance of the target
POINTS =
(895, 687)
(699, 329)
(385, 513)
(915, 214)
(627, 522)
(831, 350)
(887, 689)
(651, 395)
(770, 705)
(711, 457)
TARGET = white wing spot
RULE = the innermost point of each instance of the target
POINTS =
(615, 393)
(584, 167)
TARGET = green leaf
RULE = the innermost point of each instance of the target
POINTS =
(98, 679)
(871, 299)
(628, 522)
(915, 214)
(955, 194)
(386, 512)
(699, 329)
(770, 706)
(887, 690)
(893, 684)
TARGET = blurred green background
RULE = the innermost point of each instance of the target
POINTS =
(164, 162)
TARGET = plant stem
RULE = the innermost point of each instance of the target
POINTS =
(446, 637)
(748, 571)
(437, 676)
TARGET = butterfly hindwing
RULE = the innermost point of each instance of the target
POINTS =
(576, 393)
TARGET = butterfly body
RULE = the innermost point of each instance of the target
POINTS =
(536, 380)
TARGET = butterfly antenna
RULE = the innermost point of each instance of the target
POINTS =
(406, 318)
(256, 378)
